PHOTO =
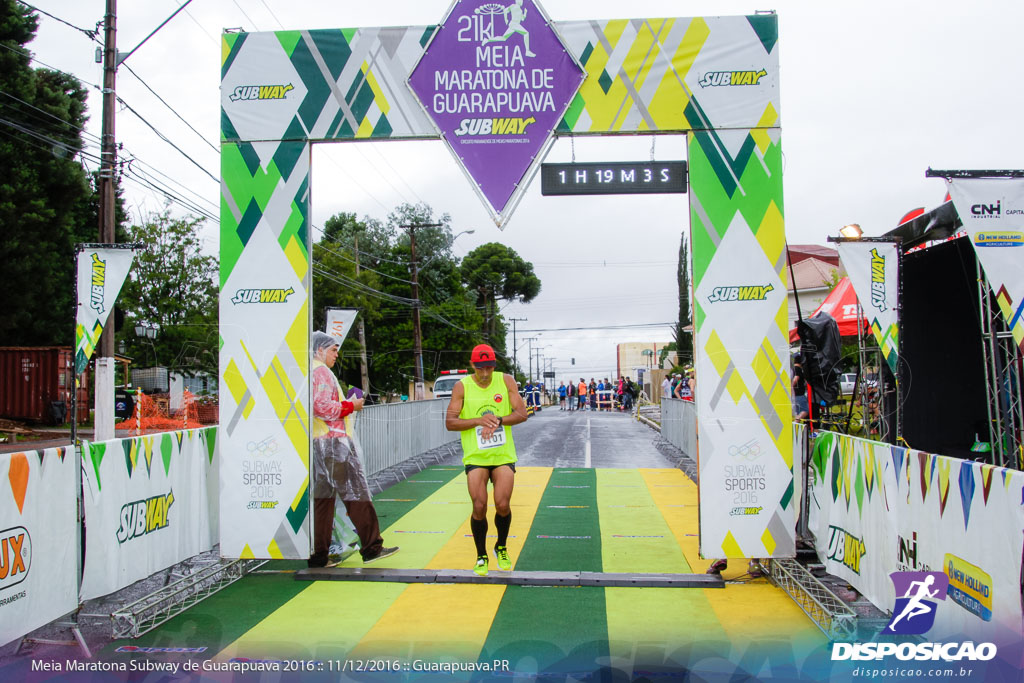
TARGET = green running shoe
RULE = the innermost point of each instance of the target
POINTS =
(501, 553)
(481, 566)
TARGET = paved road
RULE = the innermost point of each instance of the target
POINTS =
(556, 438)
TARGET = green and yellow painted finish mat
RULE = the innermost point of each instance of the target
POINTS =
(611, 520)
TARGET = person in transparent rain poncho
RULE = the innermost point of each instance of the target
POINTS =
(337, 466)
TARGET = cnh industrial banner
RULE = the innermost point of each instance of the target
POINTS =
(992, 211)
(38, 540)
(150, 502)
(101, 272)
(498, 87)
(873, 269)
(879, 512)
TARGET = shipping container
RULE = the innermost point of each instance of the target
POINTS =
(35, 384)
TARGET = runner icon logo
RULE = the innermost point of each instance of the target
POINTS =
(917, 594)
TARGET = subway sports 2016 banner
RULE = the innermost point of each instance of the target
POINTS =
(744, 408)
(150, 502)
(992, 211)
(873, 268)
(717, 76)
(38, 540)
(101, 272)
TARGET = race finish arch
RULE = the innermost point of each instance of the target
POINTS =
(497, 82)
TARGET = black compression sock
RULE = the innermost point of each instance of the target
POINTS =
(502, 524)
(479, 528)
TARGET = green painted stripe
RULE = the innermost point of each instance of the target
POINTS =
(539, 638)
(222, 618)
(401, 498)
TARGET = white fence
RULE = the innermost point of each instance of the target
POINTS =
(679, 424)
(392, 433)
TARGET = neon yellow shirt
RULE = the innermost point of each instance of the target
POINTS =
(479, 401)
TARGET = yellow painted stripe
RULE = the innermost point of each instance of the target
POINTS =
(459, 630)
(651, 616)
(323, 622)
(634, 535)
(460, 553)
(741, 612)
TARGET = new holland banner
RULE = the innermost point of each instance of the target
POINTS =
(992, 211)
(38, 540)
(101, 272)
(339, 322)
(150, 502)
(873, 268)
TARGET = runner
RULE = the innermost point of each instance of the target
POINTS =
(483, 407)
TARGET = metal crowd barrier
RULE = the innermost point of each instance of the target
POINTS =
(679, 424)
(391, 433)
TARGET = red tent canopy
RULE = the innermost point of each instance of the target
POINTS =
(841, 304)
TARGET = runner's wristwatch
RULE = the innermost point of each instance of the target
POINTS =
(499, 421)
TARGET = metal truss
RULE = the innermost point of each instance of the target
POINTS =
(833, 616)
(145, 614)
(1004, 373)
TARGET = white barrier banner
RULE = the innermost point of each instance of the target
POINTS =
(873, 268)
(38, 540)
(878, 509)
(101, 272)
(150, 502)
(992, 211)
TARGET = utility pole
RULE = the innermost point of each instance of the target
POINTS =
(530, 340)
(515, 361)
(104, 382)
(419, 392)
(362, 339)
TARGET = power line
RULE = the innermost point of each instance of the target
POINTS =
(599, 327)
(92, 34)
(167, 140)
(173, 110)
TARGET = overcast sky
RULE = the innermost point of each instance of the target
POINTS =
(873, 93)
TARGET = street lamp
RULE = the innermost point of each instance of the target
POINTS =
(149, 332)
(851, 231)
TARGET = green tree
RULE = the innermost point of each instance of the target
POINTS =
(683, 337)
(45, 194)
(172, 285)
(450, 323)
(498, 273)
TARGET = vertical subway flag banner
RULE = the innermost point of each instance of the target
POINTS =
(38, 539)
(714, 77)
(992, 211)
(339, 322)
(873, 268)
(101, 272)
(496, 80)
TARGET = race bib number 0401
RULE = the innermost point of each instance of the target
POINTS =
(497, 438)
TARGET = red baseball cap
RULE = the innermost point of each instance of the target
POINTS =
(483, 356)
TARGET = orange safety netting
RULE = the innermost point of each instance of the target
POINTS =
(153, 414)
